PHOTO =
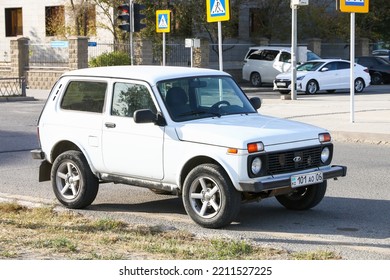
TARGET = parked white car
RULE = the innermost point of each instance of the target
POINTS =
(262, 64)
(325, 74)
(184, 131)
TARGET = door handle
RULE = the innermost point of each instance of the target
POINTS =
(110, 125)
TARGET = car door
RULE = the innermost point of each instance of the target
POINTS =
(343, 74)
(129, 148)
(283, 62)
(328, 76)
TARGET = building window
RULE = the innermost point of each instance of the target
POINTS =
(55, 20)
(13, 22)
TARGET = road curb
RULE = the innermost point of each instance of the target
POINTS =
(16, 98)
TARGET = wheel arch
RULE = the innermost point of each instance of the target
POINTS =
(192, 163)
(61, 147)
(66, 145)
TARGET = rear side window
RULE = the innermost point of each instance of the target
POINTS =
(268, 55)
(86, 96)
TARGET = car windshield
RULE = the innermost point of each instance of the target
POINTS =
(203, 97)
(310, 66)
(382, 61)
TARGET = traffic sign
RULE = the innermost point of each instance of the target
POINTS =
(354, 6)
(217, 10)
(163, 21)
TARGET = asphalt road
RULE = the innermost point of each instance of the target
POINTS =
(352, 220)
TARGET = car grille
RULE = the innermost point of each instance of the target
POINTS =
(282, 83)
(289, 161)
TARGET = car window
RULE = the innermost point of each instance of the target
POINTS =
(366, 61)
(87, 96)
(268, 55)
(331, 66)
(310, 66)
(342, 65)
(285, 57)
(202, 97)
(129, 97)
(312, 56)
(250, 52)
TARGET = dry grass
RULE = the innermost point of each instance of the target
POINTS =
(42, 233)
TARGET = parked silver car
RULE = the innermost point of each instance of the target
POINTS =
(262, 64)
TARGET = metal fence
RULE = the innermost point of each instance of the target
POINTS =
(12, 87)
(57, 55)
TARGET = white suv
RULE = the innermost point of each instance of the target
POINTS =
(186, 131)
(263, 64)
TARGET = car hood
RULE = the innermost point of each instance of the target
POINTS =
(237, 131)
(287, 75)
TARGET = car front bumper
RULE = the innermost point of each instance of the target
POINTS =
(284, 180)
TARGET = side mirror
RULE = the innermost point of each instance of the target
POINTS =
(144, 116)
(324, 69)
(256, 102)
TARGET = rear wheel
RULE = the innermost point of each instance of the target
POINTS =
(359, 85)
(312, 87)
(255, 79)
(74, 184)
(303, 198)
(376, 79)
(209, 197)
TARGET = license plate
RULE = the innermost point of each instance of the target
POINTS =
(306, 179)
(281, 84)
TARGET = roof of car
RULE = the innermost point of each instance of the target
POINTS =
(150, 73)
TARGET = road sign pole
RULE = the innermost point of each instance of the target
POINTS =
(294, 52)
(163, 49)
(352, 68)
(131, 33)
(220, 46)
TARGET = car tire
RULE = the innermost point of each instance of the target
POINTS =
(303, 198)
(312, 87)
(256, 79)
(359, 85)
(376, 79)
(73, 182)
(209, 197)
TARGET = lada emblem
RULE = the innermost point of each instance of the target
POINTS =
(297, 159)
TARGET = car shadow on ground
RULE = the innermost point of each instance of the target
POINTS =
(349, 217)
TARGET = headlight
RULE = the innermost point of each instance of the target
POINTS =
(325, 155)
(300, 78)
(256, 166)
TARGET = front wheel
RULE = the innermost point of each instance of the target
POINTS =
(209, 197)
(312, 87)
(74, 184)
(303, 198)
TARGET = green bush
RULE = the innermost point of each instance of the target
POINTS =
(110, 59)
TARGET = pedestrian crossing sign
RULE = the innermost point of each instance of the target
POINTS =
(217, 10)
(163, 21)
(354, 6)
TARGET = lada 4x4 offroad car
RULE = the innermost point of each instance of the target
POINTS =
(186, 131)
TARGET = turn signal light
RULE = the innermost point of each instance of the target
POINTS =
(324, 137)
(255, 147)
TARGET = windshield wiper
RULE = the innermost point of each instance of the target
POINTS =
(199, 112)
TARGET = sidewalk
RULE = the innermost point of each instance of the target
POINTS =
(332, 112)
(371, 115)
